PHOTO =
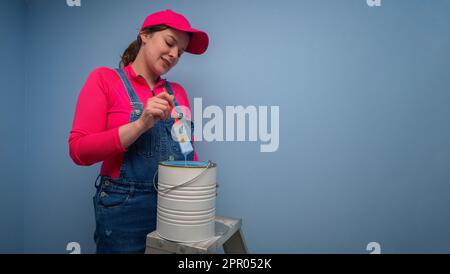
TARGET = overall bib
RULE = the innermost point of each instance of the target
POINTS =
(125, 208)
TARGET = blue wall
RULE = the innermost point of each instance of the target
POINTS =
(364, 135)
(13, 123)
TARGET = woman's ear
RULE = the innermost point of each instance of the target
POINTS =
(145, 37)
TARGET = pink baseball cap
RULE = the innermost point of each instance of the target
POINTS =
(199, 39)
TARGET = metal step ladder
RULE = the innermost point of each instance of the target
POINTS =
(228, 235)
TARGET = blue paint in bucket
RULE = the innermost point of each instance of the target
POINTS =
(185, 163)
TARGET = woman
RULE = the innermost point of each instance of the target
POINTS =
(123, 118)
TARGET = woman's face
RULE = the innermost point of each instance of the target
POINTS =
(163, 49)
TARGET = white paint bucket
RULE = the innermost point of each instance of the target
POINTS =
(186, 201)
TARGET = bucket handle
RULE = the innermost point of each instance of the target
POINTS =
(210, 164)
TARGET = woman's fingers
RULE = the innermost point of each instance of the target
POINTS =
(161, 101)
(163, 107)
(157, 113)
(166, 96)
(160, 106)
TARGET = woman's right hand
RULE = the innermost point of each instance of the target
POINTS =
(157, 108)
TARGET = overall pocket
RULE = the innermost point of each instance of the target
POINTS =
(108, 196)
(169, 148)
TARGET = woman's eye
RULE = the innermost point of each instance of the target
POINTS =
(169, 44)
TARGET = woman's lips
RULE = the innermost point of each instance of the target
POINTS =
(166, 62)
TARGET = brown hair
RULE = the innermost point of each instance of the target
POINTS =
(129, 55)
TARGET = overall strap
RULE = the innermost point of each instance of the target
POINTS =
(134, 99)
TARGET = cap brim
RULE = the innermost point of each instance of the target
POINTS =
(199, 39)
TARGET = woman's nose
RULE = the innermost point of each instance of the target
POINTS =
(174, 53)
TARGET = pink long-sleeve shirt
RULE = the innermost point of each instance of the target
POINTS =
(103, 106)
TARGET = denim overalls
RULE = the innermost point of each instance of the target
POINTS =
(125, 208)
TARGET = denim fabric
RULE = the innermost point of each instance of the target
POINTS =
(125, 208)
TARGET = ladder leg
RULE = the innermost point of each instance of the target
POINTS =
(235, 244)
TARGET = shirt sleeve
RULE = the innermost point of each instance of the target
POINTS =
(89, 141)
